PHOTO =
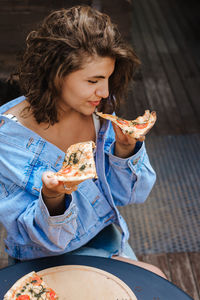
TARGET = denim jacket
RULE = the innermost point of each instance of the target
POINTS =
(31, 231)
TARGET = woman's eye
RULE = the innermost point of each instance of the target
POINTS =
(92, 81)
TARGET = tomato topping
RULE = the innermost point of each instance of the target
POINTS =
(123, 122)
(66, 171)
(141, 126)
(52, 294)
(23, 297)
(36, 280)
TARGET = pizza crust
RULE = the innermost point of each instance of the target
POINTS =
(74, 179)
(16, 286)
(23, 286)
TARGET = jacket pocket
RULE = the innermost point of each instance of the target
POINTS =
(98, 202)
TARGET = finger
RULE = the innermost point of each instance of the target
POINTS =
(73, 183)
(69, 189)
(117, 129)
(49, 180)
(48, 174)
(75, 188)
(141, 139)
(119, 132)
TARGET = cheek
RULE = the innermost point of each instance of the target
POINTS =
(84, 93)
(69, 94)
(78, 92)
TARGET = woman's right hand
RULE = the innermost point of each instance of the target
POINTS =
(53, 192)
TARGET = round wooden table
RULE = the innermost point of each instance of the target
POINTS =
(144, 284)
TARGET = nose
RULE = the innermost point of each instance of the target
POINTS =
(103, 90)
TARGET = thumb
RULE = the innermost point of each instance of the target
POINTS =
(141, 139)
(49, 179)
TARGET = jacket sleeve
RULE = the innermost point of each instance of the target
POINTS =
(51, 232)
(28, 218)
(130, 179)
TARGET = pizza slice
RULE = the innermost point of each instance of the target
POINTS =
(78, 164)
(30, 287)
(136, 128)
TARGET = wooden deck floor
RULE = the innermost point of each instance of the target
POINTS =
(165, 34)
(182, 269)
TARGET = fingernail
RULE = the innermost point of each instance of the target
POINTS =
(54, 182)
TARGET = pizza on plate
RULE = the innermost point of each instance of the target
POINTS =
(78, 164)
(30, 287)
(136, 128)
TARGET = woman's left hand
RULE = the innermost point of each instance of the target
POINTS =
(125, 144)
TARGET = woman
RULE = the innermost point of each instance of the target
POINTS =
(74, 63)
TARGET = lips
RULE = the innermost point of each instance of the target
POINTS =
(95, 103)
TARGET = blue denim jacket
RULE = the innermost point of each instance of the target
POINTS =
(31, 231)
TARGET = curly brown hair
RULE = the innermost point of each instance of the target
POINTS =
(61, 45)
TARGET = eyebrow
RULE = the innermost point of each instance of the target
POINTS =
(97, 76)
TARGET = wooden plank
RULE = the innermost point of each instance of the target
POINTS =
(11, 6)
(120, 14)
(158, 260)
(150, 83)
(181, 269)
(144, 98)
(3, 254)
(187, 14)
(13, 33)
(3, 262)
(181, 273)
(176, 42)
(194, 258)
(186, 110)
(179, 32)
(156, 83)
(136, 101)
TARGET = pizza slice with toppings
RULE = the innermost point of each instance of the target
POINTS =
(78, 164)
(30, 287)
(136, 128)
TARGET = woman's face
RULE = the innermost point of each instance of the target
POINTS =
(83, 90)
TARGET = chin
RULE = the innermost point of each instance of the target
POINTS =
(88, 112)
